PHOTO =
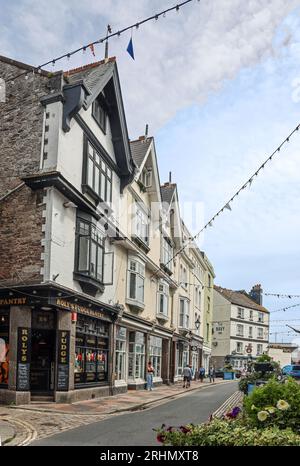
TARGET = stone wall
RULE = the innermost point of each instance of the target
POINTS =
(21, 137)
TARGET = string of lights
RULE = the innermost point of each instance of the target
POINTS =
(228, 206)
(285, 308)
(279, 295)
(109, 35)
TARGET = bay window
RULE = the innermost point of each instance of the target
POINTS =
(90, 250)
(98, 176)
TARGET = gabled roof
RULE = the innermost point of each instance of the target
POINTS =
(83, 86)
(240, 299)
(139, 149)
(167, 192)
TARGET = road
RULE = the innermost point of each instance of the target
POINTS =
(136, 428)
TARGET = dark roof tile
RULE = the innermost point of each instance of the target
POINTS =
(240, 299)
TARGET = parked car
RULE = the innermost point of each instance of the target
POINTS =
(219, 372)
(293, 370)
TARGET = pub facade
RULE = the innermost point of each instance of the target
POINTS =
(91, 289)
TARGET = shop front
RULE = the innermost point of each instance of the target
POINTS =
(137, 343)
(182, 358)
(56, 347)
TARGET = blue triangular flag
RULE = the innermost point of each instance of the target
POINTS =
(130, 49)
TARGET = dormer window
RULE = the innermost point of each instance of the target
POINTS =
(147, 177)
(99, 112)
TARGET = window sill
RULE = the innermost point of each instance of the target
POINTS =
(136, 305)
(88, 284)
(166, 269)
(86, 189)
(161, 316)
(140, 243)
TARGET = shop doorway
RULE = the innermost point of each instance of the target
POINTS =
(42, 361)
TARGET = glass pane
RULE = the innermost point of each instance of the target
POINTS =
(132, 286)
(108, 191)
(99, 263)
(102, 187)
(83, 263)
(93, 259)
(97, 176)
(90, 173)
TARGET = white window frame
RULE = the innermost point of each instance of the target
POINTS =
(163, 298)
(241, 345)
(260, 317)
(258, 352)
(184, 317)
(250, 334)
(121, 356)
(136, 268)
(141, 224)
(155, 354)
(240, 330)
(260, 333)
(166, 253)
(240, 313)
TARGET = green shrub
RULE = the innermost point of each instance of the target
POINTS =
(265, 399)
(227, 433)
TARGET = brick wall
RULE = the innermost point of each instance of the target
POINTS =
(21, 133)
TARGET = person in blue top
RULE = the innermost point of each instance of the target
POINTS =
(201, 373)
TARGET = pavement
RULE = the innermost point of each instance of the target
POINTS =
(22, 424)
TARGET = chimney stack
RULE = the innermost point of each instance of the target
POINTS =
(256, 294)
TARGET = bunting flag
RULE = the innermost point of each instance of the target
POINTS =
(130, 49)
(91, 46)
(227, 206)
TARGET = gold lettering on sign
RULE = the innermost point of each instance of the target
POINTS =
(80, 309)
(12, 301)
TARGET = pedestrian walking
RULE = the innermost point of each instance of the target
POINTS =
(150, 371)
(212, 374)
(201, 373)
(187, 375)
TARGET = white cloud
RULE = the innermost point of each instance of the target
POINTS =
(180, 59)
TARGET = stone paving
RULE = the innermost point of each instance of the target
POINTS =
(40, 420)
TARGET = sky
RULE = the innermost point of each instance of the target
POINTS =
(218, 83)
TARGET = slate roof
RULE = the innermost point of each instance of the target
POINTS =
(92, 74)
(240, 299)
(167, 191)
(139, 149)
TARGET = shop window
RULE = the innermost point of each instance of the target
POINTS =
(136, 357)
(4, 348)
(120, 366)
(91, 351)
(155, 354)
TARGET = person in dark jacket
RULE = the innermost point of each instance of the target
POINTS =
(212, 374)
(201, 373)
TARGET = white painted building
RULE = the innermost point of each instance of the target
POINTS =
(240, 327)
(282, 352)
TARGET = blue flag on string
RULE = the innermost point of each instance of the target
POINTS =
(130, 49)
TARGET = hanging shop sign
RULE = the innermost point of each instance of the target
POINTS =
(23, 359)
(63, 360)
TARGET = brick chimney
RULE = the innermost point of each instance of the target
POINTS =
(256, 294)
